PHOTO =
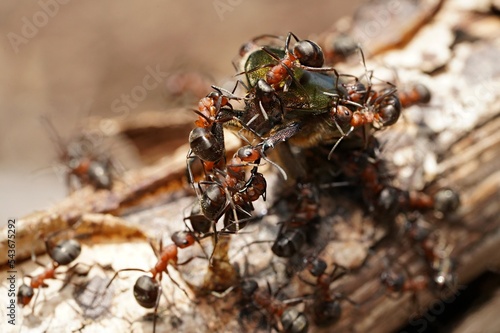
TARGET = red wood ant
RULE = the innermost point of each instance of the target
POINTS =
(62, 254)
(81, 162)
(147, 289)
(434, 251)
(306, 55)
(326, 305)
(294, 233)
(231, 190)
(291, 320)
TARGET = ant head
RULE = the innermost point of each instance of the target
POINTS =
(65, 251)
(357, 91)
(24, 295)
(183, 239)
(341, 114)
(248, 154)
(263, 88)
(446, 200)
(294, 321)
(309, 53)
(146, 291)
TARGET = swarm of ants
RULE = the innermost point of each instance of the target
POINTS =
(294, 108)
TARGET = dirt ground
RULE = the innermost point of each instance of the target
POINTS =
(66, 59)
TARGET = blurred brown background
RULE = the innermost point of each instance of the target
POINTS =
(68, 59)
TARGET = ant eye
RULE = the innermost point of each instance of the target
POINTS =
(341, 114)
(309, 53)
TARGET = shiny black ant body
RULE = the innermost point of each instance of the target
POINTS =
(62, 254)
(290, 319)
(326, 304)
(295, 232)
(305, 54)
(147, 289)
(81, 162)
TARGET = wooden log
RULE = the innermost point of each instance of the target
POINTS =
(454, 141)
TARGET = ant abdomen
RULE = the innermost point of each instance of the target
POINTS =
(309, 53)
(212, 201)
(205, 145)
(146, 291)
(289, 243)
(65, 251)
(389, 110)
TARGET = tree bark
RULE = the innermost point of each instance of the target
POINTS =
(454, 141)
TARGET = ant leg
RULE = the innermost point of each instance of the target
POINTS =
(178, 285)
(124, 270)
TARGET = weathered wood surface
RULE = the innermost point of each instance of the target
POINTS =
(454, 141)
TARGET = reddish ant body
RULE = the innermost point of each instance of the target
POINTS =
(306, 54)
(398, 283)
(326, 304)
(62, 254)
(293, 234)
(147, 289)
(292, 321)
(230, 190)
(82, 163)
(414, 94)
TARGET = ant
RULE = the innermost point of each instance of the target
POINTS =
(62, 254)
(206, 140)
(147, 289)
(399, 282)
(306, 54)
(412, 94)
(298, 229)
(363, 106)
(82, 164)
(230, 190)
(434, 251)
(368, 170)
(326, 305)
(291, 320)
